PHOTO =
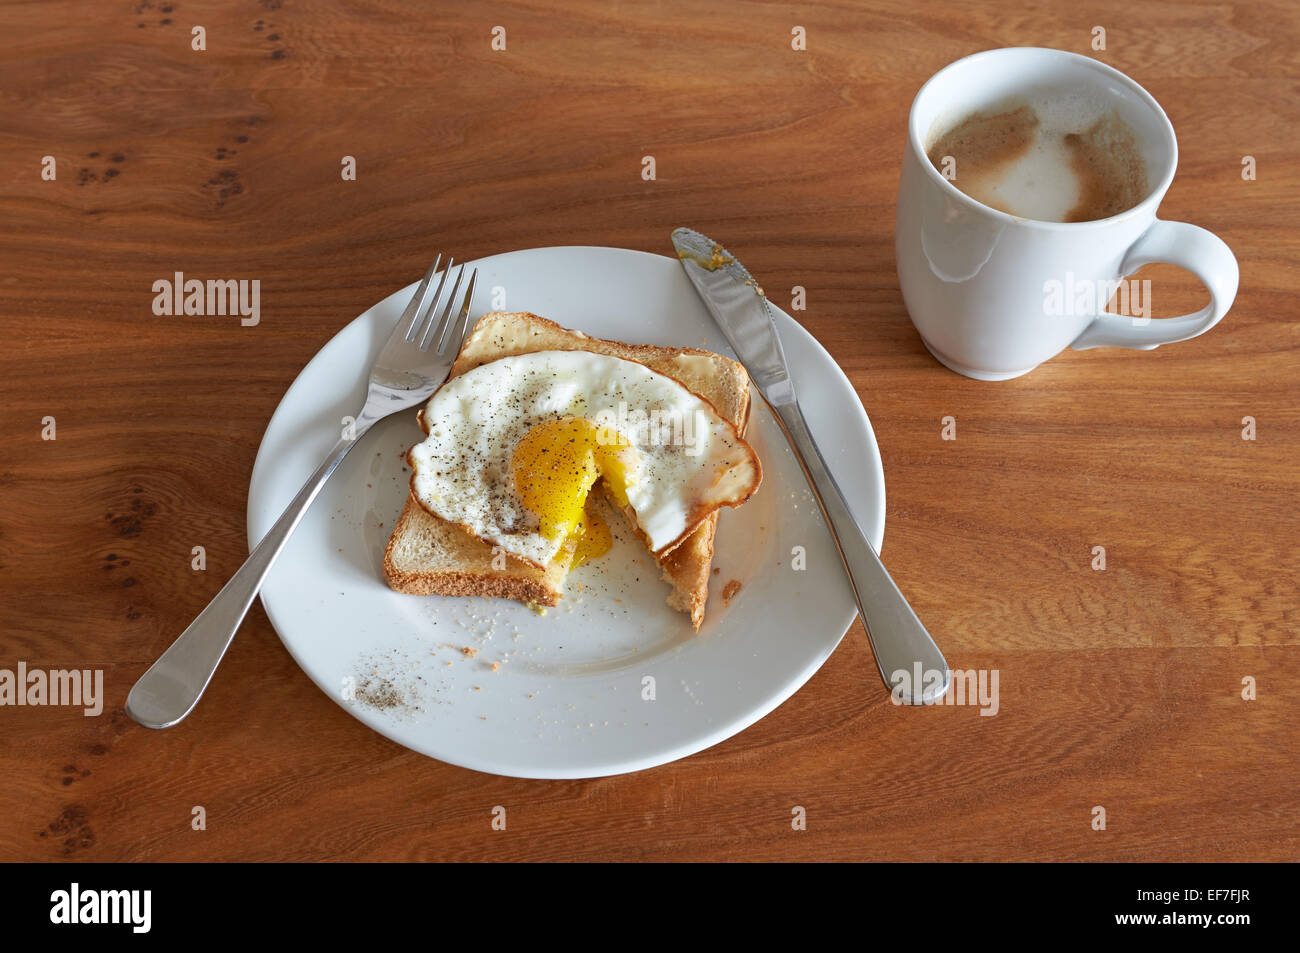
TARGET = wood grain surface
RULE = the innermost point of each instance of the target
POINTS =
(1119, 688)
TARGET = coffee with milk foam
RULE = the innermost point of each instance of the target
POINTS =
(1057, 158)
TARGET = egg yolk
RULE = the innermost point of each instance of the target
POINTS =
(592, 539)
(555, 466)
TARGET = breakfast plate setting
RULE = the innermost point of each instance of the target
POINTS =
(610, 679)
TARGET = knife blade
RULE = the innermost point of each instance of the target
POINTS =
(740, 309)
(910, 663)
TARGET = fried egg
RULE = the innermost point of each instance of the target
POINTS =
(515, 446)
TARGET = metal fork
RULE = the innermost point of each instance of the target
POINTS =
(404, 375)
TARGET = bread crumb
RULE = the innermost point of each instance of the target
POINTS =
(729, 591)
(496, 666)
(468, 652)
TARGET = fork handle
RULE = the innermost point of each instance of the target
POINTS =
(898, 639)
(171, 688)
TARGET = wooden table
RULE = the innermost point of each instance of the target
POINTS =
(1119, 688)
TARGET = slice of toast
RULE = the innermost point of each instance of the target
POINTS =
(427, 555)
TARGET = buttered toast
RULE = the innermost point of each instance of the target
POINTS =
(427, 555)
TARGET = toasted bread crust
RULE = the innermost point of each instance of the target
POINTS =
(455, 583)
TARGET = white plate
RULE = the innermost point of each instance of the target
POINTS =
(568, 699)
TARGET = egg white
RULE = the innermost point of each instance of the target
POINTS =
(684, 470)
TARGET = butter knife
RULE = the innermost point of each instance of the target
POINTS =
(910, 664)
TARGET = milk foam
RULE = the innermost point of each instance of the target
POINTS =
(1055, 157)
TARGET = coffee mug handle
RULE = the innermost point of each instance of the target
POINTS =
(1202, 253)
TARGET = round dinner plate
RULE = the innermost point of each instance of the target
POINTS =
(612, 680)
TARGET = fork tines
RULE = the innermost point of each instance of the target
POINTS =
(421, 317)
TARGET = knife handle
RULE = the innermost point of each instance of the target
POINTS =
(898, 639)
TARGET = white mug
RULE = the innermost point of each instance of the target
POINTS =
(977, 281)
